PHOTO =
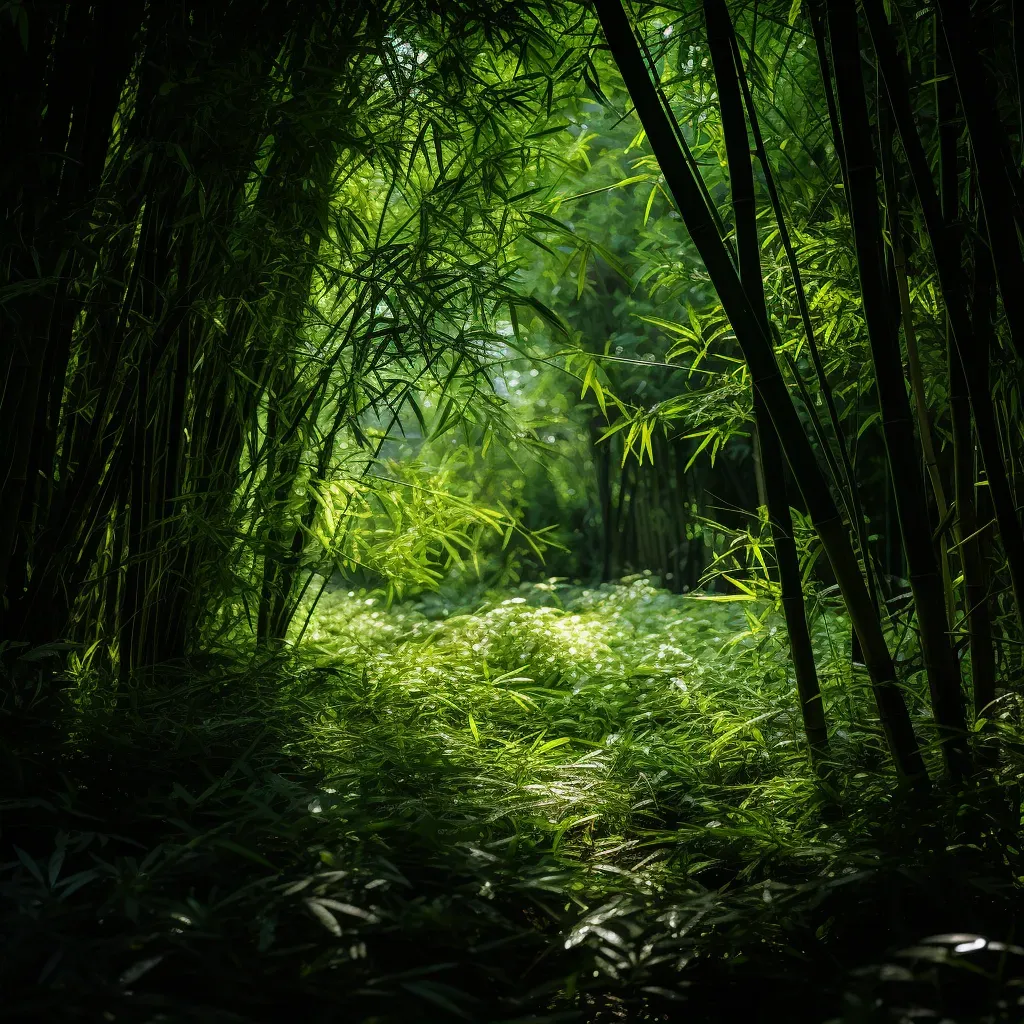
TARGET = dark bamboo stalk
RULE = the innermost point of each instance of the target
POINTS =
(818, 33)
(975, 592)
(603, 458)
(976, 584)
(897, 420)
(1017, 17)
(904, 316)
(821, 49)
(728, 75)
(759, 355)
(49, 190)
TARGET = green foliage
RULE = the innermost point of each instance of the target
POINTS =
(407, 525)
(551, 801)
(356, 349)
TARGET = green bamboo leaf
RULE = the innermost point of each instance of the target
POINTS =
(324, 916)
(650, 203)
(606, 188)
(553, 745)
(31, 866)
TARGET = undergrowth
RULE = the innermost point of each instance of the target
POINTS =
(546, 804)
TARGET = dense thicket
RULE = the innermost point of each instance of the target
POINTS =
(234, 235)
(302, 299)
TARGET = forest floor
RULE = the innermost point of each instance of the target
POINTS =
(548, 804)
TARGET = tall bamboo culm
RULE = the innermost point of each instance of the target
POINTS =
(728, 74)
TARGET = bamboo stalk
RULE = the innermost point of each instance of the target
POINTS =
(941, 666)
(994, 185)
(906, 318)
(821, 49)
(976, 585)
(975, 592)
(728, 74)
(852, 499)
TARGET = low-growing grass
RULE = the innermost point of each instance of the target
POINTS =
(555, 803)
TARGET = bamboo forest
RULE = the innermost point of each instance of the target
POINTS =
(512, 511)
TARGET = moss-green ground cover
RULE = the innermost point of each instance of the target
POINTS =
(551, 803)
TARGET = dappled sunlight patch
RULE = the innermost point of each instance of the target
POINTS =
(623, 704)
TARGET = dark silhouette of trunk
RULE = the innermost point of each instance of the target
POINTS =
(991, 160)
(55, 141)
(976, 584)
(851, 493)
(975, 592)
